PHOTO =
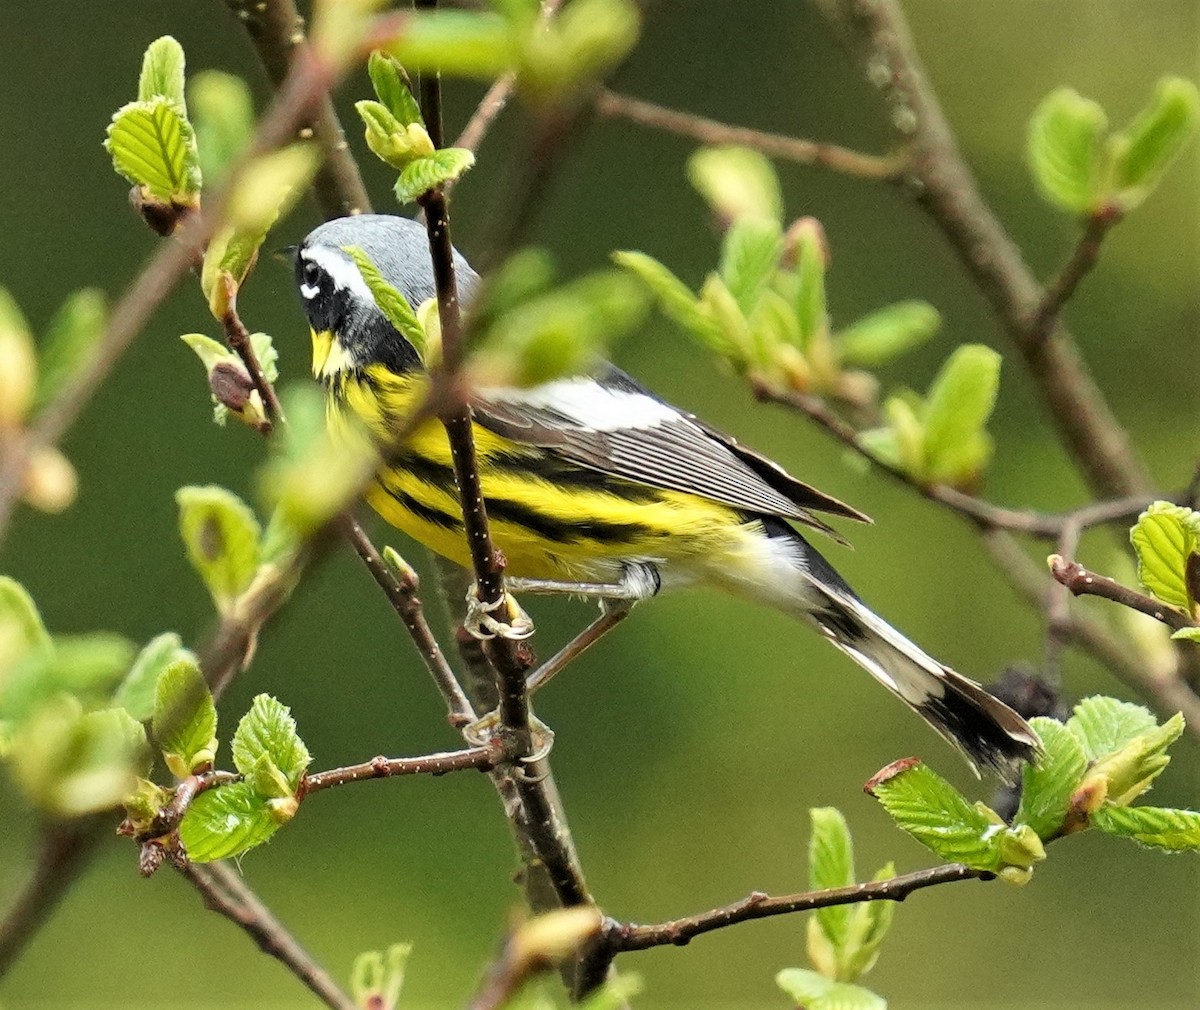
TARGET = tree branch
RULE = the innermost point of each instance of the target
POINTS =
(227, 894)
(1081, 582)
(943, 185)
(888, 168)
(483, 758)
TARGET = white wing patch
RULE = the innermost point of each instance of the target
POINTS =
(587, 403)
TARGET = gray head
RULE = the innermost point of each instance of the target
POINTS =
(338, 303)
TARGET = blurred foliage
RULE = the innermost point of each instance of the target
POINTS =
(672, 709)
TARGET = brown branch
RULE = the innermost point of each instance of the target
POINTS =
(1083, 258)
(169, 816)
(225, 893)
(1081, 582)
(277, 31)
(483, 758)
(618, 938)
(943, 185)
(238, 338)
(710, 131)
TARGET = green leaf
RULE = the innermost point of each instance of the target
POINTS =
(223, 118)
(137, 691)
(576, 48)
(1187, 635)
(831, 864)
(70, 341)
(1131, 770)
(72, 763)
(960, 402)
(1142, 152)
(938, 816)
(749, 256)
(420, 176)
(722, 308)
(89, 665)
(268, 730)
(377, 977)
(868, 926)
(162, 72)
(21, 630)
(877, 338)
(811, 311)
(390, 301)
(674, 298)
(1048, 787)
(737, 183)
(1105, 725)
(811, 991)
(391, 88)
(153, 146)
(225, 822)
(18, 363)
(458, 43)
(1065, 150)
(1164, 537)
(222, 536)
(614, 994)
(1155, 827)
(268, 356)
(908, 436)
(184, 719)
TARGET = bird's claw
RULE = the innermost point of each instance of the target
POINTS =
(480, 623)
(487, 728)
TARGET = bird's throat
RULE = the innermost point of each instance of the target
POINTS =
(329, 357)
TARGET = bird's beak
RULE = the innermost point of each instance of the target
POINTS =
(286, 255)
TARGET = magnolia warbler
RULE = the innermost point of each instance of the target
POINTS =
(594, 485)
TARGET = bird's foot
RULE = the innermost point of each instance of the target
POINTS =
(515, 625)
(488, 727)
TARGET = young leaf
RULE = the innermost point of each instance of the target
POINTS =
(1048, 787)
(21, 630)
(737, 182)
(1142, 152)
(816, 992)
(18, 363)
(1131, 771)
(185, 719)
(153, 146)
(89, 665)
(137, 691)
(268, 730)
(1187, 635)
(389, 139)
(831, 864)
(940, 818)
(1155, 827)
(674, 298)
(390, 301)
(70, 341)
(877, 338)
(391, 88)
(162, 72)
(222, 536)
(749, 256)
(960, 402)
(458, 43)
(577, 47)
(1105, 725)
(223, 118)
(808, 239)
(1065, 150)
(420, 176)
(1164, 538)
(868, 926)
(908, 435)
(225, 822)
(614, 994)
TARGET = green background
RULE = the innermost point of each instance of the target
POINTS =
(692, 743)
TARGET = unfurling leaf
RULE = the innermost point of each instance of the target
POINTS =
(222, 539)
(674, 298)
(960, 401)
(22, 634)
(184, 719)
(390, 301)
(153, 146)
(18, 363)
(1066, 151)
(391, 88)
(1048, 786)
(162, 72)
(877, 338)
(223, 117)
(137, 691)
(812, 991)
(392, 141)
(1105, 725)
(1131, 770)
(749, 257)
(1155, 827)
(830, 864)
(269, 731)
(940, 817)
(461, 43)
(70, 341)
(419, 177)
(1165, 537)
(737, 182)
(576, 48)
(225, 822)
(1143, 150)
(378, 976)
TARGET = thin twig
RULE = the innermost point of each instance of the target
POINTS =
(483, 758)
(1081, 582)
(943, 185)
(238, 338)
(1083, 258)
(227, 894)
(888, 168)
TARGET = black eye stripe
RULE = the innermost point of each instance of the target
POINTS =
(312, 272)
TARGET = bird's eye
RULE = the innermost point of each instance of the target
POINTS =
(312, 273)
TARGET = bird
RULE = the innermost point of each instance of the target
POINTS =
(595, 486)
